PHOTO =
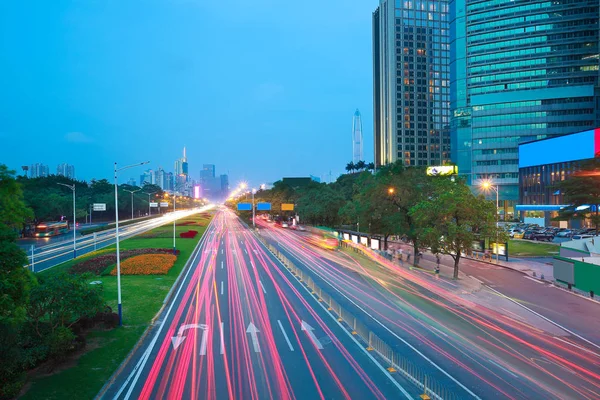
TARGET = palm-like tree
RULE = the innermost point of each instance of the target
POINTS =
(350, 166)
(371, 166)
(360, 165)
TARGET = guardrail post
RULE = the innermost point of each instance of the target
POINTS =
(370, 347)
(32, 258)
(354, 326)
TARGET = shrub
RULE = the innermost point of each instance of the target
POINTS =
(60, 343)
(97, 265)
(147, 264)
(12, 377)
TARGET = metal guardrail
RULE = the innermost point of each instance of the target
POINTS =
(394, 361)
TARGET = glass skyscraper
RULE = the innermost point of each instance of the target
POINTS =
(521, 70)
(411, 82)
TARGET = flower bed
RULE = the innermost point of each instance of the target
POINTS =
(188, 234)
(147, 264)
(98, 264)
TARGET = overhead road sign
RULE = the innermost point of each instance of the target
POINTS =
(263, 207)
(287, 207)
(99, 207)
(164, 204)
(442, 170)
(244, 207)
(154, 205)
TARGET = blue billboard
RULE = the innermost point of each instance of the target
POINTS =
(573, 147)
(244, 207)
(263, 207)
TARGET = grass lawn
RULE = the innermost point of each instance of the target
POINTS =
(520, 248)
(142, 298)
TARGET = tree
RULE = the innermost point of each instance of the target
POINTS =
(371, 166)
(360, 165)
(350, 167)
(451, 218)
(582, 189)
(13, 212)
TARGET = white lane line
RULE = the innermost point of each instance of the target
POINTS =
(263, 288)
(222, 350)
(221, 264)
(203, 342)
(221, 288)
(533, 279)
(545, 318)
(486, 280)
(574, 345)
(475, 279)
(221, 251)
(501, 367)
(245, 251)
(287, 339)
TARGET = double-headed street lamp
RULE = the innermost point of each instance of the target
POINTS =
(487, 185)
(132, 192)
(174, 221)
(149, 209)
(72, 187)
(117, 236)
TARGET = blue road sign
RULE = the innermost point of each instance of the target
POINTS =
(263, 207)
(244, 207)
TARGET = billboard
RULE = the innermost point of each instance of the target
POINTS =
(154, 205)
(197, 194)
(574, 147)
(364, 241)
(442, 170)
(244, 207)
(263, 207)
(375, 244)
(164, 204)
(287, 207)
(99, 207)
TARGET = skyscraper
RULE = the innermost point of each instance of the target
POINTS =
(147, 178)
(410, 82)
(357, 138)
(66, 170)
(38, 170)
(521, 70)
(181, 173)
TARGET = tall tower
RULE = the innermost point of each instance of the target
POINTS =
(357, 138)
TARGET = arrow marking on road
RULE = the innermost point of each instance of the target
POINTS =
(253, 330)
(309, 331)
(287, 339)
(177, 340)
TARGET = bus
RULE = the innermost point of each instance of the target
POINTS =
(47, 229)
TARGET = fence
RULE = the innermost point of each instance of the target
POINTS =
(395, 362)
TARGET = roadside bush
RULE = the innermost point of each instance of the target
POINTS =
(61, 342)
(97, 265)
(12, 377)
(148, 264)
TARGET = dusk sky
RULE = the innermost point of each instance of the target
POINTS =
(263, 89)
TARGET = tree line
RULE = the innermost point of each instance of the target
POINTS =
(438, 213)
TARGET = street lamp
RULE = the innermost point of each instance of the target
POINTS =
(117, 236)
(72, 187)
(132, 192)
(149, 209)
(253, 210)
(391, 190)
(487, 185)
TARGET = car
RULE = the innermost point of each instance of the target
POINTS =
(564, 233)
(529, 234)
(543, 235)
(284, 225)
(518, 234)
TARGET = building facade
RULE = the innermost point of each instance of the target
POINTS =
(521, 70)
(38, 170)
(66, 170)
(411, 82)
(544, 163)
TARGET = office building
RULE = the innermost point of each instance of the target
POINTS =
(181, 165)
(521, 70)
(169, 181)
(224, 185)
(66, 170)
(544, 163)
(411, 82)
(357, 138)
(38, 170)
(208, 171)
(160, 178)
(147, 178)
(132, 182)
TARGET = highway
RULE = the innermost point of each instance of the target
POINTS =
(476, 342)
(240, 326)
(54, 254)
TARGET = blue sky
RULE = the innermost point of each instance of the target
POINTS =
(263, 88)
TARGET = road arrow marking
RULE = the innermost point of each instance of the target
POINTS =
(253, 330)
(177, 340)
(309, 330)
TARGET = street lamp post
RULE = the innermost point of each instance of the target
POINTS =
(487, 186)
(117, 237)
(72, 187)
(132, 192)
(149, 209)
(174, 222)
(253, 210)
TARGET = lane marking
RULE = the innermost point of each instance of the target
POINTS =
(203, 342)
(309, 331)
(574, 345)
(287, 339)
(545, 318)
(221, 264)
(221, 251)
(263, 288)
(475, 279)
(221, 288)
(222, 350)
(245, 251)
(503, 368)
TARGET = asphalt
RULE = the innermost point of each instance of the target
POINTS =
(476, 351)
(241, 326)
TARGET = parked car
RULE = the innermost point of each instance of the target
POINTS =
(529, 234)
(564, 233)
(542, 235)
(518, 234)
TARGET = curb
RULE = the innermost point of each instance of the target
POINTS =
(121, 366)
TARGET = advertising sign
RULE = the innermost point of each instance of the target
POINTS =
(364, 241)
(164, 204)
(355, 239)
(500, 248)
(442, 170)
(154, 205)
(197, 192)
(346, 236)
(244, 207)
(263, 207)
(99, 207)
(287, 207)
(375, 244)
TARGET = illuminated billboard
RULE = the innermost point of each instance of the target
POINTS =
(442, 170)
(573, 147)
(197, 194)
(287, 207)
(244, 207)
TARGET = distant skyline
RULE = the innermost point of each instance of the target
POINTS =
(90, 83)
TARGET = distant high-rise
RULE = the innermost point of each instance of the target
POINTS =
(181, 165)
(224, 185)
(169, 181)
(160, 178)
(357, 138)
(521, 70)
(410, 82)
(38, 170)
(132, 182)
(208, 171)
(147, 178)
(66, 170)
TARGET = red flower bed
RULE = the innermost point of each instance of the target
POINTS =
(186, 223)
(97, 265)
(188, 234)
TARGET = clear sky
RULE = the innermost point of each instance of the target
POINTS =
(262, 88)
